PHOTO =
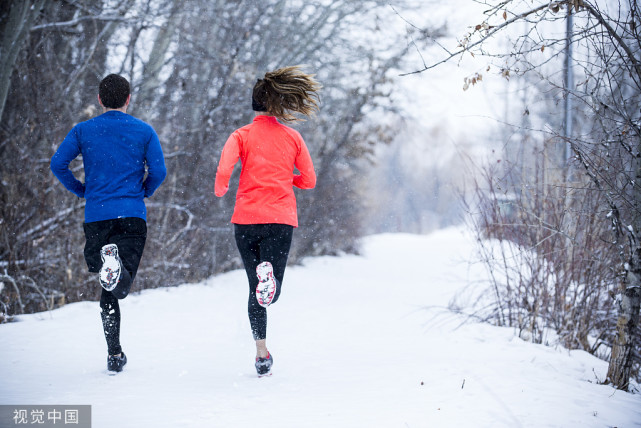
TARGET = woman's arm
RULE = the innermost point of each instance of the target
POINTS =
(228, 159)
(307, 177)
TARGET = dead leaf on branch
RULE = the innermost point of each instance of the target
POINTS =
(483, 26)
(463, 43)
(476, 78)
(577, 4)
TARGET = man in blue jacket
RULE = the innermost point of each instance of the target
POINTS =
(117, 149)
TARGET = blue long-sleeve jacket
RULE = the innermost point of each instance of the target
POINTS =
(115, 149)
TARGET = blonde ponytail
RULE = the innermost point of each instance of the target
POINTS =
(285, 91)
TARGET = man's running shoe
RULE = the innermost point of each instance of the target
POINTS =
(264, 365)
(266, 288)
(115, 363)
(111, 267)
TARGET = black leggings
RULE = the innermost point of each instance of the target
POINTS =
(129, 234)
(259, 243)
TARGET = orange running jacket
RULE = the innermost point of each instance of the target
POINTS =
(268, 151)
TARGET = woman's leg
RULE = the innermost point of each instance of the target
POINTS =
(259, 243)
(274, 248)
(247, 239)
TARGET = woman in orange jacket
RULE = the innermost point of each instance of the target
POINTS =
(265, 212)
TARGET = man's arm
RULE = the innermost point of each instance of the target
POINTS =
(156, 169)
(69, 149)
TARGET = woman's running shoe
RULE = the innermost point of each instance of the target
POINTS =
(264, 365)
(266, 288)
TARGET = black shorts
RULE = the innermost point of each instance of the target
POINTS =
(128, 233)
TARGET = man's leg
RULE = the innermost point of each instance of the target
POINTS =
(110, 314)
(97, 235)
(129, 234)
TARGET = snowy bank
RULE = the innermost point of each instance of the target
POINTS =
(358, 341)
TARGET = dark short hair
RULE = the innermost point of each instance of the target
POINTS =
(113, 91)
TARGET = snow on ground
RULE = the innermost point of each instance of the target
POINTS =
(358, 341)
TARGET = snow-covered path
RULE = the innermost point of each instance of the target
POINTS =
(358, 341)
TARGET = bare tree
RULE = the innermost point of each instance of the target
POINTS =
(192, 65)
(607, 57)
(60, 55)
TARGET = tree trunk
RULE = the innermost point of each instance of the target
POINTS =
(15, 26)
(622, 349)
(623, 346)
(150, 80)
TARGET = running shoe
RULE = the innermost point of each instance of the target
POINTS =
(111, 267)
(266, 288)
(115, 363)
(264, 365)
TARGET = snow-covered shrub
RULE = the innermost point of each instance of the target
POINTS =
(550, 260)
